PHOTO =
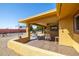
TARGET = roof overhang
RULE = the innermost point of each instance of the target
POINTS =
(41, 16)
(66, 9)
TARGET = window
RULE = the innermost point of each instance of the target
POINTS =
(54, 28)
(76, 22)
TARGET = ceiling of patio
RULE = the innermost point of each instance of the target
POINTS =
(45, 21)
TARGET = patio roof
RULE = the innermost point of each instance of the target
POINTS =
(40, 16)
(62, 10)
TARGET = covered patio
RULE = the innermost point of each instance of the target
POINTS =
(49, 23)
(41, 46)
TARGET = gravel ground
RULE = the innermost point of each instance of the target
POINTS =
(4, 50)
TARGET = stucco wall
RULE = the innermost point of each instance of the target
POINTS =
(66, 31)
(27, 50)
(67, 36)
(76, 35)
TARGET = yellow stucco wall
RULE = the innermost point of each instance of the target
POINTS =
(76, 35)
(66, 31)
(27, 50)
(67, 36)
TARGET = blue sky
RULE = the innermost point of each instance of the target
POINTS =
(11, 13)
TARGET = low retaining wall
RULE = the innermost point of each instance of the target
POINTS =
(27, 50)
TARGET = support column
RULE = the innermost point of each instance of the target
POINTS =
(28, 31)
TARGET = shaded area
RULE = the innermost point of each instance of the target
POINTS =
(53, 46)
(23, 40)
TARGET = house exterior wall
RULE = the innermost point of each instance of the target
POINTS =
(67, 35)
(76, 34)
(66, 31)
